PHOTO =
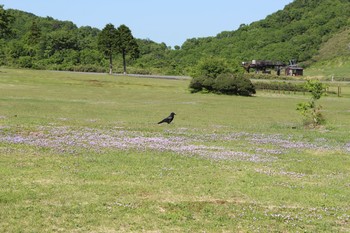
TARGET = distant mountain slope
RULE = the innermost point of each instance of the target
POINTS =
(337, 46)
(297, 31)
(315, 32)
(333, 58)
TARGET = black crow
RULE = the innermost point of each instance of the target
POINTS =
(169, 119)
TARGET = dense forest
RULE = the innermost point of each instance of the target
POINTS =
(296, 32)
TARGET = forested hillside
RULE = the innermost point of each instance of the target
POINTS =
(296, 32)
(47, 43)
(303, 30)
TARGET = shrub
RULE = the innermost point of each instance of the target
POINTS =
(25, 62)
(214, 75)
(280, 86)
(233, 84)
(310, 110)
(229, 84)
(196, 84)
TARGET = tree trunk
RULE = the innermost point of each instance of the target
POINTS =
(124, 62)
(110, 64)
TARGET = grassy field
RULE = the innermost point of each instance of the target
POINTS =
(83, 153)
(338, 68)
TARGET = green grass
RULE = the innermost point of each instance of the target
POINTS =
(273, 174)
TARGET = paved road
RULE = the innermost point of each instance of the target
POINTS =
(155, 76)
(134, 75)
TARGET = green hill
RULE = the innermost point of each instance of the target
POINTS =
(333, 58)
(337, 46)
(296, 32)
(314, 32)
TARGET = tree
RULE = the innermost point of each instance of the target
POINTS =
(126, 43)
(5, 20)
(34, 34)
(107, 43)
(310, 110)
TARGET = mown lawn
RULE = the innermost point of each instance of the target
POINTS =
(83, 153)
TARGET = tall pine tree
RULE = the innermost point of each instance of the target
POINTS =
(126, 44)
(107, 43)
(34, 34)
(5, 20)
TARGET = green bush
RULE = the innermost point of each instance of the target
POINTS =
(25, 62)
(196, 84)
(214, 75)
(280, 86)
(310, 110)
(233, 84)
(229, 84)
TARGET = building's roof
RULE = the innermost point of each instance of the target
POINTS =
(293, 67)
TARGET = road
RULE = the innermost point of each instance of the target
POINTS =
(156, 76)
(133, 75)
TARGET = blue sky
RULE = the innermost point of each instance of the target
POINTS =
(168, 21)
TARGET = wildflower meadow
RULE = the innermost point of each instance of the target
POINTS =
(84, 153)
